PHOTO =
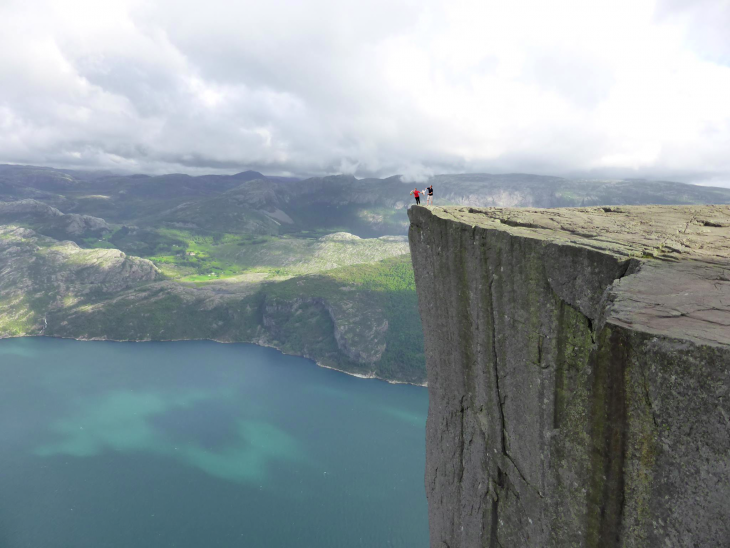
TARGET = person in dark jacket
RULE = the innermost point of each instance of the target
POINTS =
(429, 198)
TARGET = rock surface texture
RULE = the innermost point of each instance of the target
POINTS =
(579, 375)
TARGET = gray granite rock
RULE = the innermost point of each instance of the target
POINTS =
(579, 375)
(51, 221)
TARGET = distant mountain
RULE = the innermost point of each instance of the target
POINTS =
(253, 208)
(248, 176)
(367, 207)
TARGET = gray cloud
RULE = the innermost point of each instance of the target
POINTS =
(368, 87)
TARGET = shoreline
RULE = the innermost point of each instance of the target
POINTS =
(256, 343)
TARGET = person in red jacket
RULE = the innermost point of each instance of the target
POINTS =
(415, 192)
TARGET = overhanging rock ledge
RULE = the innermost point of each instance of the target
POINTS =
(579, 375)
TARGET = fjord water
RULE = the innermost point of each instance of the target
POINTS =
(192, 444)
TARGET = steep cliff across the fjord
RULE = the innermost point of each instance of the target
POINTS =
(349, 304)
(579, 375)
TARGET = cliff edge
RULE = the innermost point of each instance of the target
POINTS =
(579, 375)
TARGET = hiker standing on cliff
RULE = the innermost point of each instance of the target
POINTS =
(429, 198)
(415, 192)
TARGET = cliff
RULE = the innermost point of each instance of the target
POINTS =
(579, 375)
(359, 319)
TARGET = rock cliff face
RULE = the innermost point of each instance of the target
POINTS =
(579, 375)
(360, 333)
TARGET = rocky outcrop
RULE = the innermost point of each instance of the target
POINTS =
(579, 375)
(38, 274)
(65, 266)
(85, 225)
(51, 221)
(29, 208)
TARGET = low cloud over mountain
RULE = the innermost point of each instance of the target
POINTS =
(627, 88)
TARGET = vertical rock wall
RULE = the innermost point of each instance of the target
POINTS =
(551, 422)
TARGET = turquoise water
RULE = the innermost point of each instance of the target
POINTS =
(202, 445)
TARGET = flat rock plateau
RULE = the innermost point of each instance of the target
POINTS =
(579, 375)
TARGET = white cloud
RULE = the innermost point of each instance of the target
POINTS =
(371, 87)
(416, 173)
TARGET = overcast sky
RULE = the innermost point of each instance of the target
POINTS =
(371, 87)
